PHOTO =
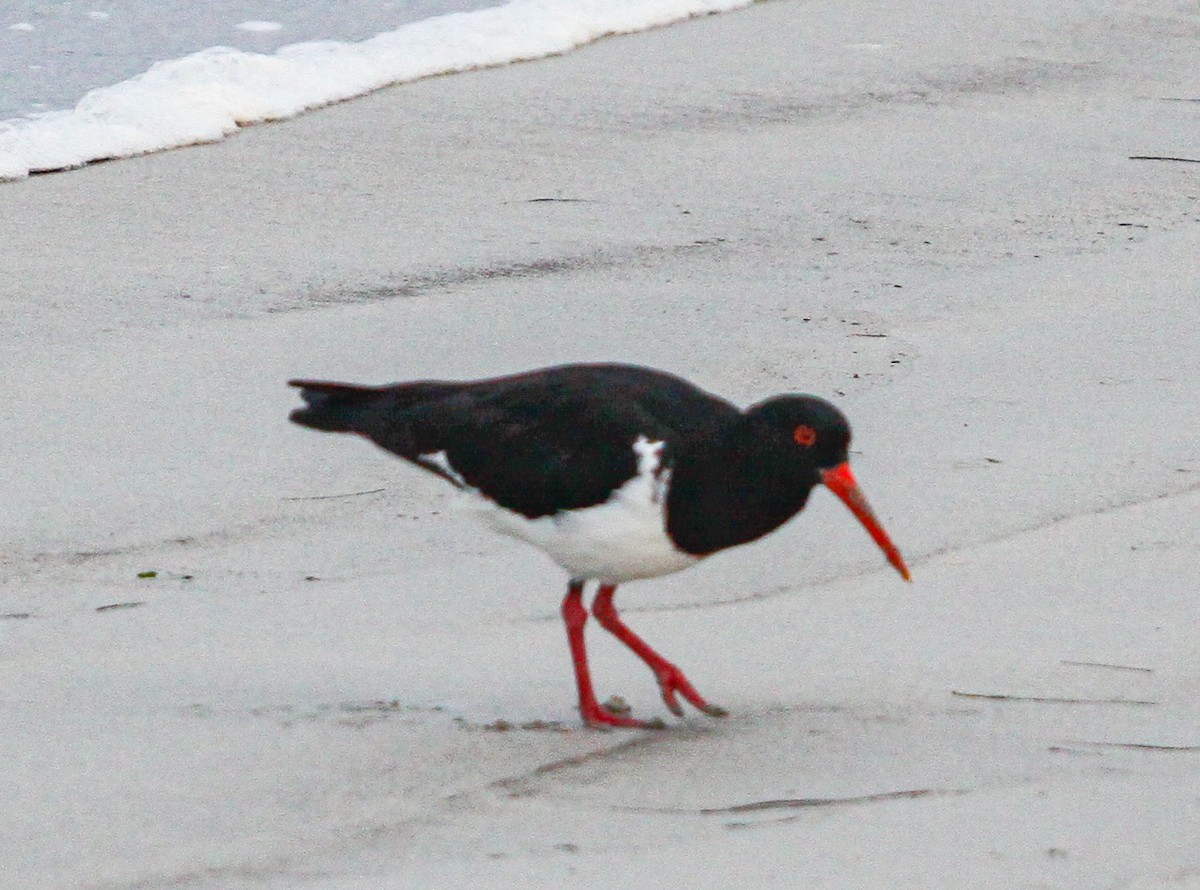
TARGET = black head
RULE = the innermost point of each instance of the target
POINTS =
(808, 440)
(805, 430)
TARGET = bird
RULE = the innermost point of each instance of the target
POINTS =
(617, 472)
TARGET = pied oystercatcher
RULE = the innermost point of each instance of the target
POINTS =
(617, 472)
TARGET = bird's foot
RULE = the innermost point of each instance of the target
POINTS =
(671, 682)
(614, 712)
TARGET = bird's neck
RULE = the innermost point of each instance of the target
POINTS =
(732, 491)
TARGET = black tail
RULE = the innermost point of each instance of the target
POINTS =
(374, 411)
(333, 407)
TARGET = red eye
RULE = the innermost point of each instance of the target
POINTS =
(805, 436)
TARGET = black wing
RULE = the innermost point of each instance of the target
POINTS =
(535, 443)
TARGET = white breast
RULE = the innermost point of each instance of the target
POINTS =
(620, 540)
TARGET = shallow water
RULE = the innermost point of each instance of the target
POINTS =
(85, 83)
(51, 54)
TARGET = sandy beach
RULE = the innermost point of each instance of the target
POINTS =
(926, 213)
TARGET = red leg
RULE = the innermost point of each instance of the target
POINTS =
(670, 678)
(594, 714)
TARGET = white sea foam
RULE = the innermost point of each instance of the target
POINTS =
(208, 95)
(259, 27)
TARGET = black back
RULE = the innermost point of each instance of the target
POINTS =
(535, 443)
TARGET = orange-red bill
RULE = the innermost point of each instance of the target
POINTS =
(841, 482)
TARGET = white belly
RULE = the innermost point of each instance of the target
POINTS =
(620, 540)
(614, 542)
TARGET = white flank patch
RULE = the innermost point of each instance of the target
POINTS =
(439, 461)
(620, 540)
